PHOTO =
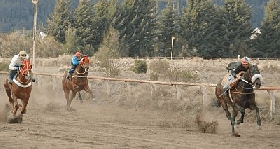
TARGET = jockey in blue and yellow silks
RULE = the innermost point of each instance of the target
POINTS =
(74, 63)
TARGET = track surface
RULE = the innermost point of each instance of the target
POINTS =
(95, 125)
(129, 118)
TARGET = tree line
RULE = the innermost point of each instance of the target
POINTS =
(135, 28)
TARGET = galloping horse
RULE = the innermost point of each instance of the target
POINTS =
(20, 88)
(241, 97)
(78, 82)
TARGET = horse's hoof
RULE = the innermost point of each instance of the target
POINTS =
(235, 134)
(20, 118)
(23, 112)
(239, 122)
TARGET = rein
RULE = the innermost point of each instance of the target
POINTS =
(19, 83)
(79, 73)
(18, 79)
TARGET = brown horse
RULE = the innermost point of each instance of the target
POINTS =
(78, 82)
(20, 88)
(241, 97)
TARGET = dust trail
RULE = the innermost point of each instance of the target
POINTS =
(4, 109)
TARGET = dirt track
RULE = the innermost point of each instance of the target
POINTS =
(129, 118)
(92, 125)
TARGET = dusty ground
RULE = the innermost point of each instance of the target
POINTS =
(138, 115)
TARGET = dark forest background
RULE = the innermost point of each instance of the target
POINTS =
(18, 14)
(143, 28)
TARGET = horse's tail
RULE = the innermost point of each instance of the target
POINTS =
(64, 78)
(7, 88)
(218, 92)
(65, 74)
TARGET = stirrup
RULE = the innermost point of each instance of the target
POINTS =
(10, 81)
(69, 77)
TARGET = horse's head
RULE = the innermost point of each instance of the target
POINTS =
(252, 76)
(25, 69)
(83, 66)
(84, 62)
(256, 77)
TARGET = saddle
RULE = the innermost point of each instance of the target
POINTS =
(234, 81)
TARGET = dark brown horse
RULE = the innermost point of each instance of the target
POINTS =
(20, 88)
(241, 97)
(78, 82)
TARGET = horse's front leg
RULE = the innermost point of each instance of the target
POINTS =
(242, 111)
(258, 117)
(254, 106)
(67, 96)
(70, 99)
(89, 91)
(15, 105)
(24, 105)
(234, 114)
(225, 107)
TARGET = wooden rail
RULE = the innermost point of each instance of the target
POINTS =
(269, 89)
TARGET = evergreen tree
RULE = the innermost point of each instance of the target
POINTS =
(168, 28)
(135, 20)
(199, 27)
(268, 44)
(60, 20)
(71, 42)
(104, 11)
(85, 33)
(235, 16)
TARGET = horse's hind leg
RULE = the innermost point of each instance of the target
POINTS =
(9, 93)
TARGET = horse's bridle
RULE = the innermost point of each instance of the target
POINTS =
(25, 72)
(83, 64)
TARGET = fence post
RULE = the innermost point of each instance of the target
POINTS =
(272, 102)
(204, 98)
(108, 89)
(178, 93)
(152, 87)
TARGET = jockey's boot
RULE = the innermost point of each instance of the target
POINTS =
(31, 78)
(69, 77)
(10, 78)
(10, 81)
